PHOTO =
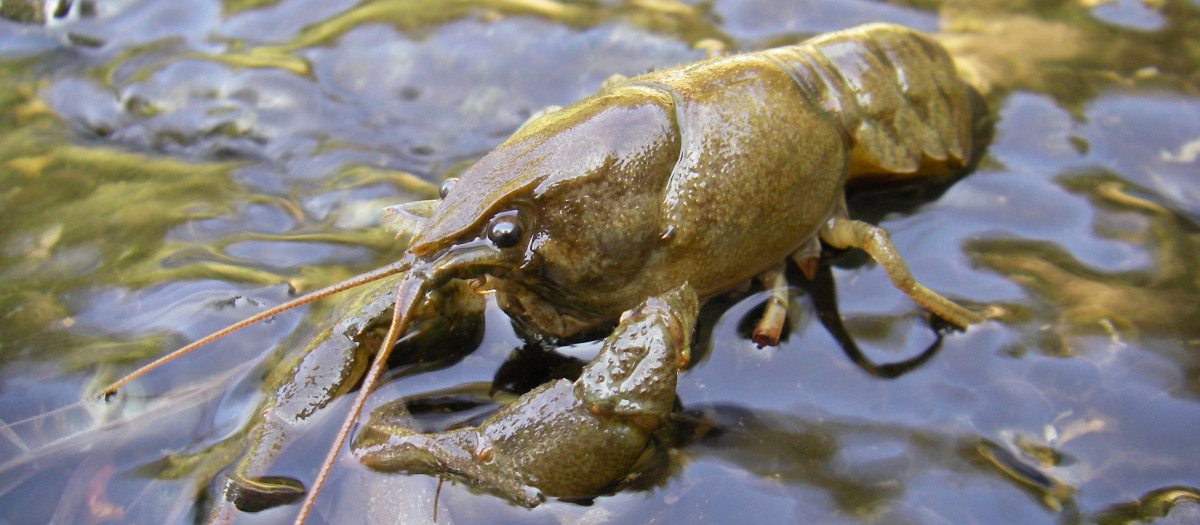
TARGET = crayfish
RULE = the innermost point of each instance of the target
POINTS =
(633, 206)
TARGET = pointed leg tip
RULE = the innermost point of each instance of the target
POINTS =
(972, 317)
(964, 319)
(991, 312)
(764, 339)
(809, 266)
(259, 494)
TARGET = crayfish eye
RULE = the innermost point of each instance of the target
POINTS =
(505, 231)
(446, 186)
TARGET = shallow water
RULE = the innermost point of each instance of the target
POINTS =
(168, 167)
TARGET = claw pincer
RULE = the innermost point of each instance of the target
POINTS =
(563, 438)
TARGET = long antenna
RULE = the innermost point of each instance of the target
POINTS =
(358, 280)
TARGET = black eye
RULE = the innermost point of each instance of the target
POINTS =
(447, 185)
(505, 232)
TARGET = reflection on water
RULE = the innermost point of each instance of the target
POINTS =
(168, 167)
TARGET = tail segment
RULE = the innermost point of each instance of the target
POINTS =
(905, 111)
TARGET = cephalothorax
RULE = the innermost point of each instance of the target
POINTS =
(636, 204)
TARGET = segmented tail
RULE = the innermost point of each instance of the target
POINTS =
(898, 95)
